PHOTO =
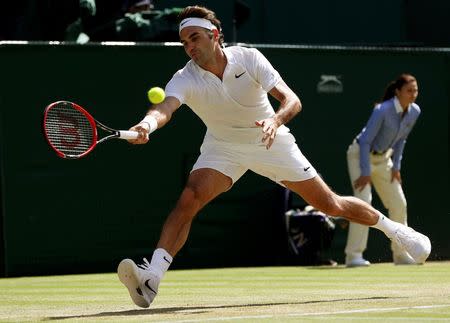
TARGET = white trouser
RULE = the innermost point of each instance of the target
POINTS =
(390, 193)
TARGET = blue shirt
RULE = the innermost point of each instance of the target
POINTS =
(386, 129)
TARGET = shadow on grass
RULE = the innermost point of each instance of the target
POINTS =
(204, 309)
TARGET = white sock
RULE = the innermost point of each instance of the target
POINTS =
(386, 225)
(161, 261)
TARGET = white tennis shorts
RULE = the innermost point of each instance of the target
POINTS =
(283, 161)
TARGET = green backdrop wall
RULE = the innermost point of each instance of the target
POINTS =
(66, 216)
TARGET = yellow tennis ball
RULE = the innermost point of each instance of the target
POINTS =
(156, 95)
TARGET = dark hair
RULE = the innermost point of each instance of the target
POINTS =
(397, 84)
(202, 12)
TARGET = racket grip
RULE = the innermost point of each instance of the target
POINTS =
(126, 134)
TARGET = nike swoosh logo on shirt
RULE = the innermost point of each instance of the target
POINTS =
(306, 168)
(239, 75)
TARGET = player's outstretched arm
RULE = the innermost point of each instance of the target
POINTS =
(158, 115)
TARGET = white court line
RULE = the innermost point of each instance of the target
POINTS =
(367, 310)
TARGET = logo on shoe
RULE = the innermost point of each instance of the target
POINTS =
(148, 286)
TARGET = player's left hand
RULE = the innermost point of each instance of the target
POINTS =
(269, 129)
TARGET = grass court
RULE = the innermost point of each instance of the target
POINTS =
(381, 292)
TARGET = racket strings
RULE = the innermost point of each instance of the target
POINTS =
(69, 130)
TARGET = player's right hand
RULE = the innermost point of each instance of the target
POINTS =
(143, 134)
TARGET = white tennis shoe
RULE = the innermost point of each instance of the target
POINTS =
(141, 281)
(357, 262)
(417, 245)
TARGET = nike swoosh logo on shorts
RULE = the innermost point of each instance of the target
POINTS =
(239, 75)
(306, 168)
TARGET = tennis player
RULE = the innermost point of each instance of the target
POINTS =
(227, 88)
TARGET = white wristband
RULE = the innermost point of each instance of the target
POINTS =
(151, 122)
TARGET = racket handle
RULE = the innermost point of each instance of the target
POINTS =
(126, 134)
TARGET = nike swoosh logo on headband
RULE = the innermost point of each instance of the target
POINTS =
(184, 22)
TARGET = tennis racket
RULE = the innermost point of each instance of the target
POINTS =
(72, 132)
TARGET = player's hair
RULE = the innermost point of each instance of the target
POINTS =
(397, 84)
(202, 12)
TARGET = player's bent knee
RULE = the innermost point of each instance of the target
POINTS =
(192, 198)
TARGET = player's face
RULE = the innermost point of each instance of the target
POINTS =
(198, 44)
(408, 93)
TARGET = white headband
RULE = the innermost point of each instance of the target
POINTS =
(198, 22)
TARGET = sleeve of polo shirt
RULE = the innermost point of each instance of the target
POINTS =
(179, 88)
(264, 73)
(367, 136)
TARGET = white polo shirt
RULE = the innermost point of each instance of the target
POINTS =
(230, 107)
